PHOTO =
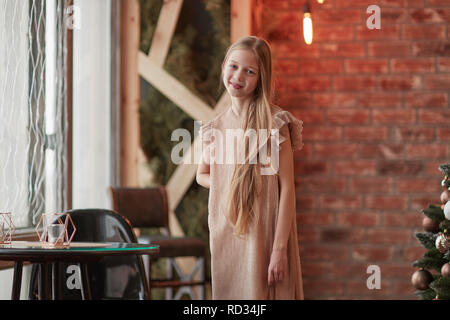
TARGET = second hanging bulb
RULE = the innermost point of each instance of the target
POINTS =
(307, 24)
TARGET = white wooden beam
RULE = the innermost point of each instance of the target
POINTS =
(173, 89)
(165, 28)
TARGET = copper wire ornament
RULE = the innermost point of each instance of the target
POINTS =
(55, 218)
(7, 228)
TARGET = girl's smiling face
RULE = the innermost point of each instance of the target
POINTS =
(241, 73)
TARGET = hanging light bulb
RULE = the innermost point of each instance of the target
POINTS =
(320, 1)
(307, 24)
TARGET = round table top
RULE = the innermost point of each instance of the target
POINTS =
(37, 251)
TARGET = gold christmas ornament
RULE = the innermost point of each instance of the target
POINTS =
(447, 210)
(444, 180)
(444, 196)
(442, 243)
(445, 270)
(430, 225)
(421, 279)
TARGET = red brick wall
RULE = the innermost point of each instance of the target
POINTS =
(375, 106)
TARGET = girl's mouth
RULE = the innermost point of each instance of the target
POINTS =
(236, 86)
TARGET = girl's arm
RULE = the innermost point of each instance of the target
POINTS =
(286, 212)
(203, 177)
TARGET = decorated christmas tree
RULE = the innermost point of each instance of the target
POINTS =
(436, 240)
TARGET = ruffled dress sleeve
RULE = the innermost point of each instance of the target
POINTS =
(295, 127)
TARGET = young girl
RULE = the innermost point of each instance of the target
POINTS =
(252, 220)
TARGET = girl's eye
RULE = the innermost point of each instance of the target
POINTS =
(233, 66)
(250, 72)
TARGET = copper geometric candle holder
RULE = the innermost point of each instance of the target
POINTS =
(7, 228)
(59, 223)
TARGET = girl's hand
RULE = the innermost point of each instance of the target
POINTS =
(277, 266)
(203, 177)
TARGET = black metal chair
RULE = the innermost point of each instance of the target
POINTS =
(148, 208)
(121, 277)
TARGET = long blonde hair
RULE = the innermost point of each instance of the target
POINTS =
(246, 181)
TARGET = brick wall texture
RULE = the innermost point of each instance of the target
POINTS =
(375, 106)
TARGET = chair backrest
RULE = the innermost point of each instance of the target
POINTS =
(144, 207)
(118, 277)
(101, 225)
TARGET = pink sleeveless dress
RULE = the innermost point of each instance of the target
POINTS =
(239, 265)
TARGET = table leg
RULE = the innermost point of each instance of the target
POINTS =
(43, 281)
(17, 280)
(57, 281)
(86, 290)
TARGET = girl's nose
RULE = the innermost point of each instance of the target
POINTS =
(240, 75)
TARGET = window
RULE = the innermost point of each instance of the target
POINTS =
(33, 119)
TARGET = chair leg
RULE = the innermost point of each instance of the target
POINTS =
(201, 261)
(145, 258)
(194, 291)
(146, 262)
(172, 268)
(205, 277)
(202, 277)
(169, 274)
(149, 277)
(86, 289)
